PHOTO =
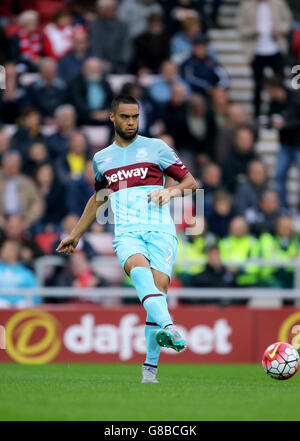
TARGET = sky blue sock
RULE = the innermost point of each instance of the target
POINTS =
(153, 348)
(152, 299)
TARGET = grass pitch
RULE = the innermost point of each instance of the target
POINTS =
(113, 392)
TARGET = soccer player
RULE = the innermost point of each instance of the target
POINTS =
(131, 171)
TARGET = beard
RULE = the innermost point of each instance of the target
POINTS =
(125, 135)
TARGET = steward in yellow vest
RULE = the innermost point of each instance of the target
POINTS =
(238, 247)
(283, 246)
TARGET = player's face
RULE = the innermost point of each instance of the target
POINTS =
(126, 120)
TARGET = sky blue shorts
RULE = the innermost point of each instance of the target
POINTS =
(158, 247)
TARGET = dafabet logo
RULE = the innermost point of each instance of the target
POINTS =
(32, 337)
(290, 330)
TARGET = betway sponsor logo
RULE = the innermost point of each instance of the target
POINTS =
(121, 175)
(129, 337)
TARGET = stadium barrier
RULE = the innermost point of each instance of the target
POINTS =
(94, 327)
(112, 261)
(96, 334)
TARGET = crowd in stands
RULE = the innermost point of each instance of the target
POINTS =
(64, 63)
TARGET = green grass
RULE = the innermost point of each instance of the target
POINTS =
(114, 392)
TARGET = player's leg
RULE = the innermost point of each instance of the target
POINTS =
(149, 370)
(162, 249)
(138, 267)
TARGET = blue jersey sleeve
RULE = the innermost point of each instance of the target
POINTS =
(170, 163)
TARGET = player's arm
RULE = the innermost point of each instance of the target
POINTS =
(87, 218)
(186, 186)
(173, 167)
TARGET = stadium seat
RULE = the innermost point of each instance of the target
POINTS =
(98, 136)
(102, 243)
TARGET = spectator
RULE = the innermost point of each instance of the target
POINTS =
(4, 144)
(53, 192)
(57, 35)
(83, 12)
(201, 72)
(282, 246)
(160, 89)
(91, 94)
(13, 98)
(26, 45)
(211, 182)
(201, 126)
(4, 46)
(19, 194)
(220, 104)
(135, 13)
(68, 223)
(248, 193)
(28, 131)
(284, 113)
(296, 44)
(214, 17)
(177, 11)
(13, 229)
(182, 41)
(263, 217)
(70, 65)
(9, 9)
(72, 165)
(48, 92)
(80, 190)
(79, 274)
(235, 166)
(174, 120)
(191, 255)
(37, 155)
(65, 122)
(238, 247)
(115, 51)
(263, 25)
(215, 274)
(151, 48)
(232, 119)
(220, 214)
(13, 274)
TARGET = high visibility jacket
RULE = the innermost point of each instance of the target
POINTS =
(239, 249)
(190, 251)
(277, 248)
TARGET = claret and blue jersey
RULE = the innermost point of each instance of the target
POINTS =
(130, 174)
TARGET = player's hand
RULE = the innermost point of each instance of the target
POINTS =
(67, 245)
(159, 197)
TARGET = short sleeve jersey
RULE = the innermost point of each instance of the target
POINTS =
(130, 174)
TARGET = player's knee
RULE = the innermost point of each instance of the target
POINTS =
(135, 260)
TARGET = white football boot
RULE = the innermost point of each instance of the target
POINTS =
(149, 374)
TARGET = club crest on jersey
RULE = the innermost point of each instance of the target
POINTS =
(122, 175)
(141, 153)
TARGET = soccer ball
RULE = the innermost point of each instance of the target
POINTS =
(280, 361)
